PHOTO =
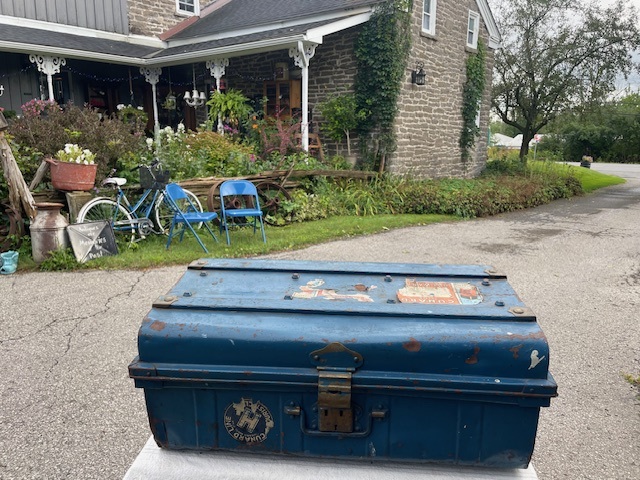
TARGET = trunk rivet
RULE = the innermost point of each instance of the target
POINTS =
(486, 282)
(295, 276)
(356, 359)
(316, 357)
(391, 300)
(388, 278)
(186, 294)
(288, 297)
(518, 310)
(203, 274)
(499, 303)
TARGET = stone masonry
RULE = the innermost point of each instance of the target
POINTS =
(152, 17)
(429, 119)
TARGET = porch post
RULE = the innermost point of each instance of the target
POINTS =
(301, 56)
(217, 66)
(152, 75)
(49, 66)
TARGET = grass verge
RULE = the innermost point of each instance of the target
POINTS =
(151, 252)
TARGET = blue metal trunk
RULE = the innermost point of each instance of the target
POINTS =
(436, 363)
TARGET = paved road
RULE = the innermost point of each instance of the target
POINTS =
(69, 411)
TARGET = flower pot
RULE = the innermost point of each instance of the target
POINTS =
(72, 176)
(8, 262)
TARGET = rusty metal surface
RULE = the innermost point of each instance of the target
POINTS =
(348, 352)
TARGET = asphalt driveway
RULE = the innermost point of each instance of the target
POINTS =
(69, 411)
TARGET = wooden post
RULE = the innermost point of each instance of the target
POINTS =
(20, 197)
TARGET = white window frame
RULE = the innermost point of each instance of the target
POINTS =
(429, 16)
(473, 32)
(181, 11)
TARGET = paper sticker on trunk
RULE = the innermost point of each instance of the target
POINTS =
(248, 422)
(311, 290)
(439, 293)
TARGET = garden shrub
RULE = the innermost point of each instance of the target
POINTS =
(45, 128)
(489, 195)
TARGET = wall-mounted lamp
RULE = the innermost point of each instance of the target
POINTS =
(419, 76)
(195, 98)
(1, 90)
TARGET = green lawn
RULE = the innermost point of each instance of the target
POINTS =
(592, 180)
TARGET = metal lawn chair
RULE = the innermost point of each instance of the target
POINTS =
(187, 216)
(239, 202)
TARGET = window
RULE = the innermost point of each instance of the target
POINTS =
(188, 7)
(429, 17)
(472, 29)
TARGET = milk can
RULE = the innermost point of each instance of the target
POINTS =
(48, 230)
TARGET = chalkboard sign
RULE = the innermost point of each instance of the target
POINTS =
(92, 240)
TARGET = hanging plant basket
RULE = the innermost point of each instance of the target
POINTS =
(69, 177)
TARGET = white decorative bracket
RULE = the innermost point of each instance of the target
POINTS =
(217, 66)
(49, 66)
(1, 90)
(301, 55)
(152, 76)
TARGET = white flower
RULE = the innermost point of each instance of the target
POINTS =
(181, 128)
(149, 143)
(140, 108)
(120, 106)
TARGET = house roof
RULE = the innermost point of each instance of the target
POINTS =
(22, 39)
(240, 15)
(224, 28)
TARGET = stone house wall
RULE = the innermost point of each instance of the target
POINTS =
(429, 119)
(152, 17)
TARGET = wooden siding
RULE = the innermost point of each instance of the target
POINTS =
(107, 15)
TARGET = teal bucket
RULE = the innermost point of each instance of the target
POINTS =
(8, 262)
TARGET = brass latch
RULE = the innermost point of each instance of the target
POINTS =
(334, 401)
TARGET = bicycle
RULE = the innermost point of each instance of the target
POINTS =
(150, 214)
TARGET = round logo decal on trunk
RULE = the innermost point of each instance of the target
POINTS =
(248, 421)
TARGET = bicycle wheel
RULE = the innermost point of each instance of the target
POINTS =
(105, 209)
(275, 203)
(163, 214)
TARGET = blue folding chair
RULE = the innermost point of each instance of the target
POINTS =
(186, 216)
(244, 205)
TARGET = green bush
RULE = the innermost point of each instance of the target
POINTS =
(507, 189)
(45, 129)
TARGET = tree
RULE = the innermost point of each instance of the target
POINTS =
(557, 54)
(342, 116)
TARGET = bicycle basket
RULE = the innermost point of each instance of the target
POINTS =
(153, 177)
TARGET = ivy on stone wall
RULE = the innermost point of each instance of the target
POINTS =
(381, 52)
(472, 100)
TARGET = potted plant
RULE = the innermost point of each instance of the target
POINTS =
(229, 107)
(341, 116)
(73, 169)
